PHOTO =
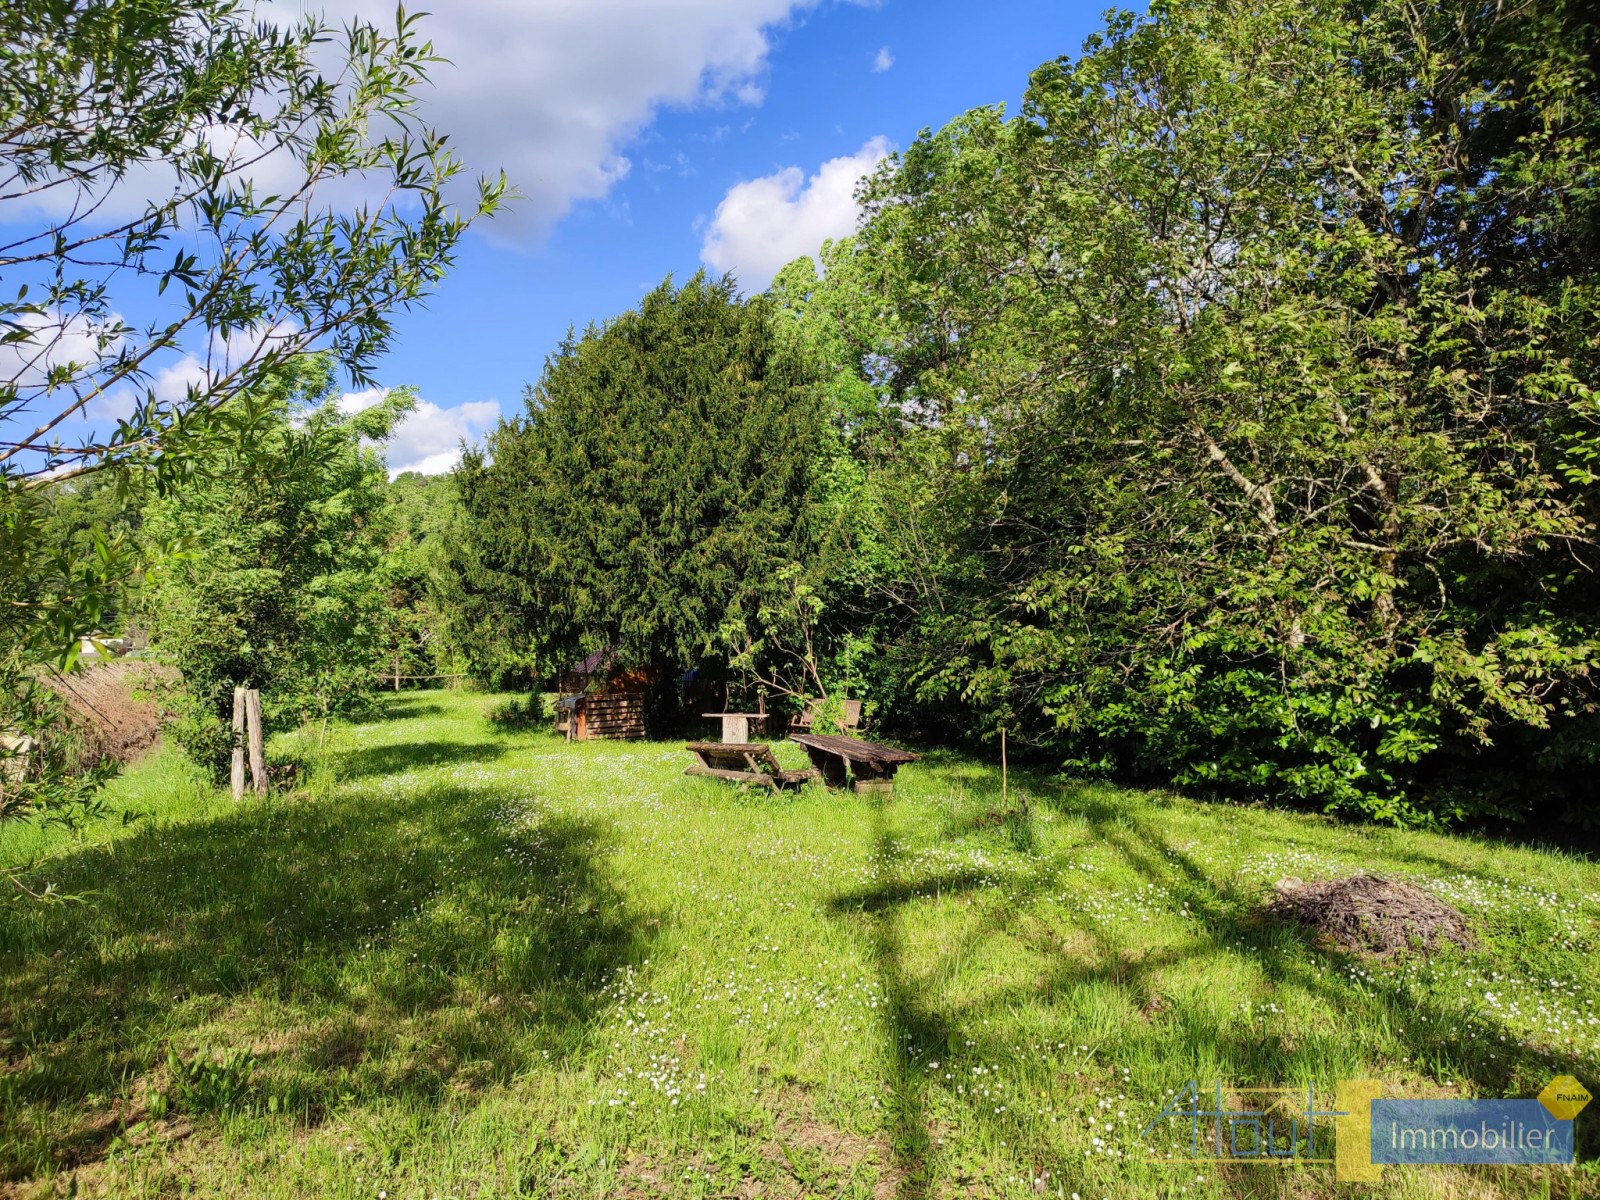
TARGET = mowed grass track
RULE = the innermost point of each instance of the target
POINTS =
(475, 964)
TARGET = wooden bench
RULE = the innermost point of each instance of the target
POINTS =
(850, 718)
(743, 762)
(872, 765)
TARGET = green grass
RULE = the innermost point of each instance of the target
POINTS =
(472, 963)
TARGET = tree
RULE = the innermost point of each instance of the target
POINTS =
(176, 157)
(415, 638)
(1259, 356)
(654, 498)
(280, 588)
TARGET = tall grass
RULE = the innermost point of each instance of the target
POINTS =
(466, 961)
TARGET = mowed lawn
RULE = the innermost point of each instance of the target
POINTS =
(466, 963)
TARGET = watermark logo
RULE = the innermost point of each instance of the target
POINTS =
(1564, 1097)
(1283, 1128)
(1468, 1131)
(1279, 1127)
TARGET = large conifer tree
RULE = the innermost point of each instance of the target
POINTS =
(654, 496)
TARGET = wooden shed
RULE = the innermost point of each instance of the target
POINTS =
(601, 700)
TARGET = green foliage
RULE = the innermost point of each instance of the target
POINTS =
(453, 961)
(1254, 367)
(654, 497)
(282, 590)
(212, 1082)
(134, 130)
(415, 635)
(57, 584)
(201, 90)
(521, 712)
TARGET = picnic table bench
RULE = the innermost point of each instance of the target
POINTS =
(743, 762)
(872, 765)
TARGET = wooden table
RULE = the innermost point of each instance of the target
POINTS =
(872, 765)
(742, 762)
(735, 726)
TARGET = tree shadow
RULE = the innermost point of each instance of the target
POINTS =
(1126, 978)
(912, 1024)
(404, 706)
(410, 946)
(415, 756)
(1475, 1048)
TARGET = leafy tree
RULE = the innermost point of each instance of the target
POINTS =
(655, 495)
(281, 589)
(422, 509)
(874, 576)
(1258, 357)
(180, 158)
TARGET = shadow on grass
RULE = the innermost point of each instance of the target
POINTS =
(1096, 977)
(405, 706)
(409, 946)
(913, 1024)
(1474, 1049)
(415, 756)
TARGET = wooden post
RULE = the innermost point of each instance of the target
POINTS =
(1003, 769)
(258, 754)
(237, 774)
(397, 670)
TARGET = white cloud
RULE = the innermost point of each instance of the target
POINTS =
(55, 340)
(764, 223)
(354, 402)
(170, 384)
(883, 60)
(429, 439)
(553, 91)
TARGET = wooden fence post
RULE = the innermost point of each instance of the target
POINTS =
(237, 774)
(258, 756)
(1003, 807)
(397, 671)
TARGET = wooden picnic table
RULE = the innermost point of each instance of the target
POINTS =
(743, 762)
(872, 765)
(735, 725)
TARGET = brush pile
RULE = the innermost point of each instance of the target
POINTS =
(1371, 914)
(113, 707)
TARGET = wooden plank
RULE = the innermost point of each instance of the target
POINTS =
(849, 715)
(730, 776)
(258, 754)
(850, 718)
(236, 774)
(768, 761)
(853, 749)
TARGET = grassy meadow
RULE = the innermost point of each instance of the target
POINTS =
(466, 963)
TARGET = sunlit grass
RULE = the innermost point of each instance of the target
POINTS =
(473, 963)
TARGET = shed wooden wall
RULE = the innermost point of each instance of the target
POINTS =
(612, 715)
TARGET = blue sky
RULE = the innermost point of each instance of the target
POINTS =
(832, 79)
(655, 136)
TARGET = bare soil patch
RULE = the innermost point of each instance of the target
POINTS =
(1370, 914)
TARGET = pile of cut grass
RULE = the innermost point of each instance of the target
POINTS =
(480, 963)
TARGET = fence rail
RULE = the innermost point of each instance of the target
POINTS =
(396, 677)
